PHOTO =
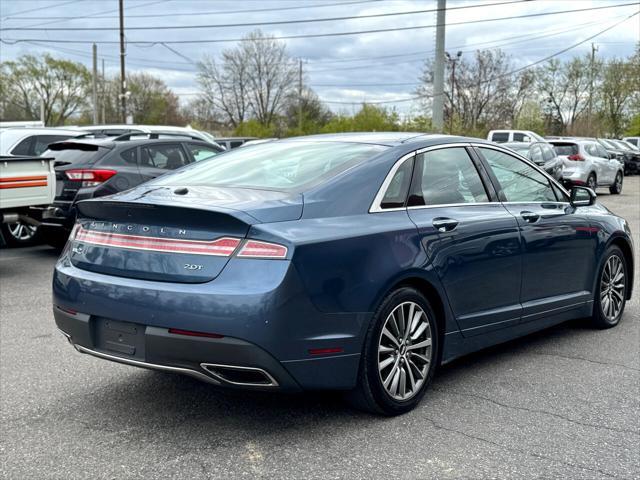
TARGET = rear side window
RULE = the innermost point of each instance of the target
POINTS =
(396, 193)
(519, 137)
(23, 148)
(500, 137)
(165, 156)
(448, 176)
(547, 152)
(566, 149)
(520, 182)
(201, 152)
(126, 158)
(42, 142)
(236, 144)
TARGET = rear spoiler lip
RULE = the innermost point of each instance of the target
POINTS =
(106, 201)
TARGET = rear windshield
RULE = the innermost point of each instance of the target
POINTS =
(277, 165)
(73, 156)
(565, 148)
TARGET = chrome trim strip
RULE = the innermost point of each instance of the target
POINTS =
(444, 205)
(153, 366)
(273, 382)
(377, 201)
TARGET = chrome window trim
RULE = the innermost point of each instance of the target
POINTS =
(376, 204)
(377, 201)
(528, 162)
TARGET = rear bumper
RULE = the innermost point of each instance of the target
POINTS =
(274, 330)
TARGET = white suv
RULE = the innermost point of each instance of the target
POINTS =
(586, 162)
(508, 136)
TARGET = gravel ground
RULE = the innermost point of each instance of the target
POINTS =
(563, 403)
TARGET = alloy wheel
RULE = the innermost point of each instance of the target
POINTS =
(612, 288)
(404, 351)
(21, 231)
(591, 182)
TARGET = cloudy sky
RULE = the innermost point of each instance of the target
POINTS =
(381, 66)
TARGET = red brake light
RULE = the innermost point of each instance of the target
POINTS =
(222, 247)
(576, 158)
(89, 178)
(257, 249)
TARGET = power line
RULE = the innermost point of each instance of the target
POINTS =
(40, 8)
(260, 24)
(198, 13)
(313, 35)
(517, 70)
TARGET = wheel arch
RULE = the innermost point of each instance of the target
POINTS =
(623, 244)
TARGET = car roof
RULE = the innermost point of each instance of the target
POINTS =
(26, 131)
(379, 138)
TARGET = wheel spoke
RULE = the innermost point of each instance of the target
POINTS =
(385, 349)
(421, 357)
(423, 344)
(410, 321)
(390, 376)
(394, 383)
(403, 383)
(390, 336)
(412, 381)
(401, 321)
(385, 363)
(423, 326)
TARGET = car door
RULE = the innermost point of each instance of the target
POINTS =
(156, 159)
(600, 159)
(472, 242)
(612, 165)
(557, 240)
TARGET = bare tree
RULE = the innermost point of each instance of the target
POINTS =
(620, 82)
(565, 87)
(253, 79)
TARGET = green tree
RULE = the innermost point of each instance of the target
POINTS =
(369, 118)
(60, 87)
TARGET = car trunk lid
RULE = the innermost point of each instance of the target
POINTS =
(154, 233)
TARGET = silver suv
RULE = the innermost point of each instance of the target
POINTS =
(586, 162)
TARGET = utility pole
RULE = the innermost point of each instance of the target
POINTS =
(300, 98)
(453, 62)
(103, 96)
(123, 81)
(594, 49)
(437, 116)
(94, 84)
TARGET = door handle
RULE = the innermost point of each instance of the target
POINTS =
(529, 216)
(445, 224)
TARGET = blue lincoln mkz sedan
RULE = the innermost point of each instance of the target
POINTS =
(357, 262)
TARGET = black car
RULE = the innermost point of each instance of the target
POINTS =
(540, 153)
(89, 168)
(631, 157)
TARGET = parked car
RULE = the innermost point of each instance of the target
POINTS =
(357, 262)
(29, 142)
(586, 162)
(509, 136)
(26, 183)
(612, 149)
(257, 141)
(540, 153)
(629, 154)
(633, 140)
(89, 168)
(230, 143)
(118, 130)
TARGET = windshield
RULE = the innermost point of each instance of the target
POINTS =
(608, 144)
(276, 165)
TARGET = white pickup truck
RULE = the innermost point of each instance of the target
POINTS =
(26, 183)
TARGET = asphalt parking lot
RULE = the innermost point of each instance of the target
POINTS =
(563, 403)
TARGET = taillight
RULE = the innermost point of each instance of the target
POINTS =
(89, 178)
(576, 158)
(257, 249)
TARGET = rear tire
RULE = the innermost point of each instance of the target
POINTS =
(592, 182)
(20, 234)
(611, 289)
(395, 373)
(616, 188)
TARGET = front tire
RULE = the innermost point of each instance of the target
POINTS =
(611, 289)
(592, 182)
(616, 188)
(399, 356)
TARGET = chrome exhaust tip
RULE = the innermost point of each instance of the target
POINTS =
(241, 376)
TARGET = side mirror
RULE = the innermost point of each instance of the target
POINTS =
(582, 197)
